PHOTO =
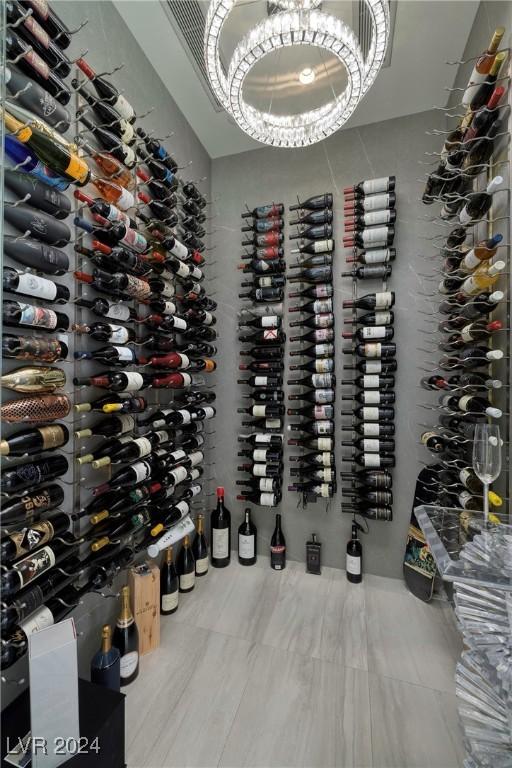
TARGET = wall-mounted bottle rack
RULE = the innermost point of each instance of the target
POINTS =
(261, 443)
(129, 297)
(313, 473)
(370, 213)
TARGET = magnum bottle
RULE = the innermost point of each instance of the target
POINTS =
(28, 410)
(33, 473)
(40, 196)
(36, 99)
(35, 67)
(28, 284)
(38, 256)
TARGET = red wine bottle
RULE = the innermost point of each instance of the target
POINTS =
(35, 67)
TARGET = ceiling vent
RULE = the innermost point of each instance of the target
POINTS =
(188, 20)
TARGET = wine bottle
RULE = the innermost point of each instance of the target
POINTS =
(371, 381)
(40, 195)
(322, 459)
(126, 640)
(314, 443)
(117, 233)
(370, 332)
(117, 334)
(485, 88)
(478, 203)
(36, 408)
(263, 295)
(371, 445)
(220, 533)
(372, 460)
(316, 396)
(116, 381)
(312, 427)
(34, 473)
(265, 211)
(359, 221)
(482, 67)
(484, 118)
(160, 153)
(113, 426)
(186, 567)
(374, 349)
(36, 255)
(315, 247)
(483, 277)
(261, 439)
(315, 203)
(371, 237)
(51, 152)
(316, 232)
(106, 663)
(260, 266)
(32, 566)
(320, 216)
(39, 225)
(107, 92)
(322, 490)
(110, 142)
(107, 114)
(372, 413)
(278, 547)
(373, 318)
(321, 353)
(483, 304)
(19, 543)
(373, 256)
(27, 509)
(309, 474)
(247, 540)
(483, 251)
(35, 67)
(264, 225)
(318, 336)
(370, 187)
(318, 365)
(373, 366)
(109, 211)
(372, 301)
(35, 440)
(372, 429)
(379, 479)
(262, 381)
(28, 284)
(200, 548)
(370, 272)
(354, 556)
(369, 203)
(312, 275)
(16, 313)
(36, 99)
(169, 585)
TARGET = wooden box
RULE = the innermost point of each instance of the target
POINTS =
(145, 599)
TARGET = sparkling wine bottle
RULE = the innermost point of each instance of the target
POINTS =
(169, 585)
(126, 640)
(37, 408)
(36, 99)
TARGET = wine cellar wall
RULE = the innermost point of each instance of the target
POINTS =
(85, 308)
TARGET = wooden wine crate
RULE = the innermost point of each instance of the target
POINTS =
(145, 599)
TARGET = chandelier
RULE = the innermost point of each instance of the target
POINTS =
(297, 22)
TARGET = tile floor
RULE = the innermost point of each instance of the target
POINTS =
(271, 669)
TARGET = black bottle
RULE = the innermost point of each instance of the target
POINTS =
(220, 533)
(354, 563)
(247, 541)
(278, 547)
(169, 585)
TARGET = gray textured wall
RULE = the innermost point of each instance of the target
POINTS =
(392, 147)
(109, 44)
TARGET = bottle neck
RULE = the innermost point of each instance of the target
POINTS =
(106, 639)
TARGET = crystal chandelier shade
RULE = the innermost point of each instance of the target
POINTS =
(301, 23)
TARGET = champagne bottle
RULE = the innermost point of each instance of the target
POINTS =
(35, 67)
(186, 567)
(34, 473)
(36, 440)
(315, 203)
(21, 155)
(106, 663)
(34, 379)
(51, 152)
(36, 99)
(37, 408)
(220, 533)
(278, 547)
(169, 585)
(126, 640)
(200, 548)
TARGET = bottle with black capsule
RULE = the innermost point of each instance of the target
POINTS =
(354, 556)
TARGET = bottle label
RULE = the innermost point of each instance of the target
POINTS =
(260, 455)
(260, 381)
(178, 475)
(144, 446)
(28, 539)
(176, 456)
(323, 321)
(353, 565)
(32, 285)
(259, 410)
(41, 7)
(323, 396)
(326, 475)
(37, 63)
(37, 316)
(375, 332)
(323, 428)
(371, 446)
(52, 437)
(465, 402)
(124, 107)
(371, 430)
(169, 289)
(321, 380)
(33, 566)
(126, 422)
(125, 354)
(220, 543)
(125, 199)
(323, 334)
(370, 414)
(139, 289)
(141, 470)
(383, 300)
(270, 321)
(375, 235)
(128, 664)
(118, 312)
(371, 381)
(202, 565)
(372, 186)
(278, 557)
(259, 470)
(170, 601)
(324, 444)
(319, 412)
(262, 438)
(186, 416)
(373, 350)
(265, 484)
(376, 202)
(187, 580)
(374, 366)
(118, 334)
(196, 458)
(371, 460)
(272, 334)
(41, 619)
(134, 381)
(246, 547)
(209, 412)
(376, 217)
(382, 318)
(179, 324)
(273, 424)
(372, 397)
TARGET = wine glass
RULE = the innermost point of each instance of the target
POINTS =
(487, 458)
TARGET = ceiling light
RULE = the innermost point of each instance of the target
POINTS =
(302, 25)
(307, 76)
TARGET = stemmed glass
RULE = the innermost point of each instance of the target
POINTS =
(487, 458)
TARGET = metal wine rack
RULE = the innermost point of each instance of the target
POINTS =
(469, 550)
(323, 382)
(267, 227)
(80, 479)
(372, 269)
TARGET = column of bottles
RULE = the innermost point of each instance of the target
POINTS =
(467, 341)
(312, 378)
(113, 325)
(263, 342)
(370, 213)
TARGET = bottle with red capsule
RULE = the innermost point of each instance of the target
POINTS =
(378, 202)
(265, 239)
(270, 253)
(108, 210)
(360, 221)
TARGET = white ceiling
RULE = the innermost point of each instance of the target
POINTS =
(427, 34)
